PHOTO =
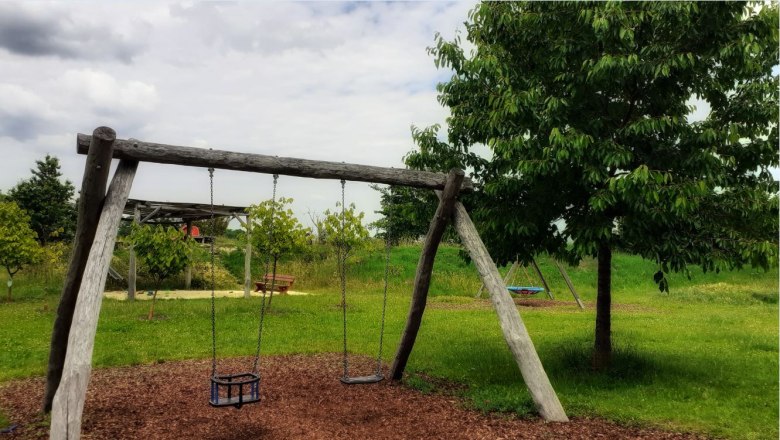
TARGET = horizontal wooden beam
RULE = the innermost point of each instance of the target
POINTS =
(259, 163)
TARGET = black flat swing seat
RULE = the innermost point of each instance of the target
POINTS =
(360, 380)
(229, 389)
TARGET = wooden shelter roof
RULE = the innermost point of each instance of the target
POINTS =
(177, 212)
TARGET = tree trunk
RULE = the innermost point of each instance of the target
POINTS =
(602, 351)
(154, 299)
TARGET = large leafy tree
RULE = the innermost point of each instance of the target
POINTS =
(48, 200)
(18, 246)
(164, 251)
(586, 109)
(406, 212)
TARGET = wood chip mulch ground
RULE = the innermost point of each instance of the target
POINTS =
(302, 398)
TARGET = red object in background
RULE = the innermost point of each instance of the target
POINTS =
(195, 230)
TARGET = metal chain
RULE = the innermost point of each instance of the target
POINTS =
(342, 260)
(267, 264)
(388, 244)
(213, 301)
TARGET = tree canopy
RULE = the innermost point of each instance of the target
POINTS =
(18, 246)
(587, 113)
(275, 230)
(345, 232)
(48, 200)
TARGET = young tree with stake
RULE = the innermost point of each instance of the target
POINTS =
(164, 251)
(276, 231)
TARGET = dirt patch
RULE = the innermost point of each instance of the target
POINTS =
(302, 398)
(536, 302)
(192, 294)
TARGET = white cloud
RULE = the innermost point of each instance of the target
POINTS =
(104, 92)
(23, 113)
(330, 81)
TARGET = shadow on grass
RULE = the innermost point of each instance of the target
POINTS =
(629, 366)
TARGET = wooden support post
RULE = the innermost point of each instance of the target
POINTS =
(507, 277)
(422, 279)
(248, 259)
(570, 284)
(541, 277)
(515, 333)
(259, 163)
(132, 271)
(68, 403)
(188, 269)
(93, 190)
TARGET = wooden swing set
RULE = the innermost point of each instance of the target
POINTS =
(100, 212)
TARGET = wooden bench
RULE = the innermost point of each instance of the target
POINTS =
(281, 284)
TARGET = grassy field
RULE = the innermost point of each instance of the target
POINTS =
(702, 358)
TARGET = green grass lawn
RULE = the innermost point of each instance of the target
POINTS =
(702, 358)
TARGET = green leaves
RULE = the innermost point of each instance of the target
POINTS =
(18, 245)
(345, 232)
(48, 201)
(275, 230)
(164, 251)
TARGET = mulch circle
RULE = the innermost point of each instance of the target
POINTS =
(302, 398)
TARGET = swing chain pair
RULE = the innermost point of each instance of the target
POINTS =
(342, 261)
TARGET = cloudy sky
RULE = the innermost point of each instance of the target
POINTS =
(318, 80)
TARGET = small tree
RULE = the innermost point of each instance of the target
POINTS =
(275, 231)
(18, 246)
(352, 236)
(48, 201)
(344, 232)
(165, 251)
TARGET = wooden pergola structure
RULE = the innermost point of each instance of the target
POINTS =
(100, 213)
(178, 213)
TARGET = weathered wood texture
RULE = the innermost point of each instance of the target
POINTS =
(541, 277)
(132, 271)
(200, 157)
(68, 403)
(178, 212)
(93, 190)
(422, 279)
(515, 333)
(507, 277)
(566, 278)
